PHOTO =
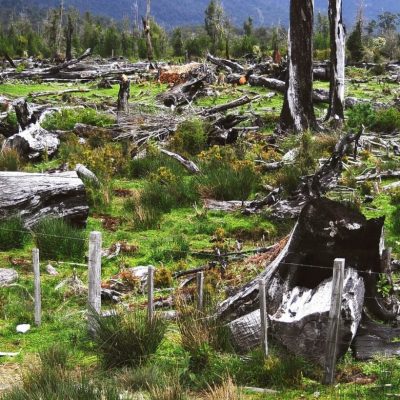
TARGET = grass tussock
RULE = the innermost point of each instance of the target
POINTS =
(10, 160)
(226, 391)
(57, 240)
(13, 235)
(127, 338)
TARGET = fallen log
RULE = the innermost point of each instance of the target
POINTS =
(37, 196)
(325, 230)
(86, 174)
(7, 276)
(56, 93)
(187, 164)
(182, 94)
(228, 65)
(66, 64)
(375, 339)
(228, 106)
(378, 175)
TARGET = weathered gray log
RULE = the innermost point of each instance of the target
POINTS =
(222, 130)
(66, 64)
(7, 276)
(374, 339)
(228, 65)
(85, 173)
(338, 53)
(37, 196)
(298, 111)
(378, 175)
(33, 142)
(182, 94)
(24, 113)
(303, 269)
(57, 93)
(187, 164)
(228, 106)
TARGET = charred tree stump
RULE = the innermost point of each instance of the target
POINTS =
(38, 196)
(338, 50)
(299, 282)
(298, 111)
(124, 94)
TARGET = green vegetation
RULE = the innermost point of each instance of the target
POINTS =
(12, 233)
(10, 160)
(127, 338)
(66, 119)
(58, 240)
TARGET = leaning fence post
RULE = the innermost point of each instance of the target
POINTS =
(94, 272)
(37, 287)
(264, 317)
(334, 321)
(200, 290)
(150, 293)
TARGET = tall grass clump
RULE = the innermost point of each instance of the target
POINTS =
(67, 118)
(228, 181)
(226, 391)
(49, 379)
(190, 138)
(201, 334)
(127, 338)
(10, 160)
(12, 233)
(58, 240)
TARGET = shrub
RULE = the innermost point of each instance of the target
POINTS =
(67, 118)
(387, 120)
(10, 160)
(58, 240)
(12, 233)
(361, 114)
(127, 338)
(163, 278)
(190, 138)
(228, 181)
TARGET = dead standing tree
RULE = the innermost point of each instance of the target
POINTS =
(124, 94)
(147, 32)
(337, 39)
(68, 36)
(298, 110)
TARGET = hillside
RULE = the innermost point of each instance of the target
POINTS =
(189, 12)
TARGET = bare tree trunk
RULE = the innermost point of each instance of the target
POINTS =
(69, 32)
(124, 94)
(298, 111)
(337, 38)
(147, 32)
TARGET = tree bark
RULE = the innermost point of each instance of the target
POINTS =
(147, 32)
(298, 111)
(37, 196)
(337, 83)
(69, 32)
(124, 94)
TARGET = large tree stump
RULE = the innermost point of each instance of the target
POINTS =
(38, 196)
(302, 273)
(124, 94)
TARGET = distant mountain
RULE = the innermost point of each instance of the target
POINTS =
(171, 13)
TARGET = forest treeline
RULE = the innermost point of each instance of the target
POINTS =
(43, 34)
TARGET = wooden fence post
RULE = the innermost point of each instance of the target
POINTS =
(37, 287)
(150, 293)
(94, 272)
(200, 290)
(264, 317)
(334, 321)
(386, 264)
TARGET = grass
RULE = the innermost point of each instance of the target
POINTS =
(13, 234)
(58, 240)
(127, 338)
(10, 160)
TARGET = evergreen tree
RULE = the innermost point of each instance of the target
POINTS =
(355, 44)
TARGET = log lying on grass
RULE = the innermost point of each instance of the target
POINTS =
(183, 94)
(7, 276)
(38, 196)
(303, 270)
